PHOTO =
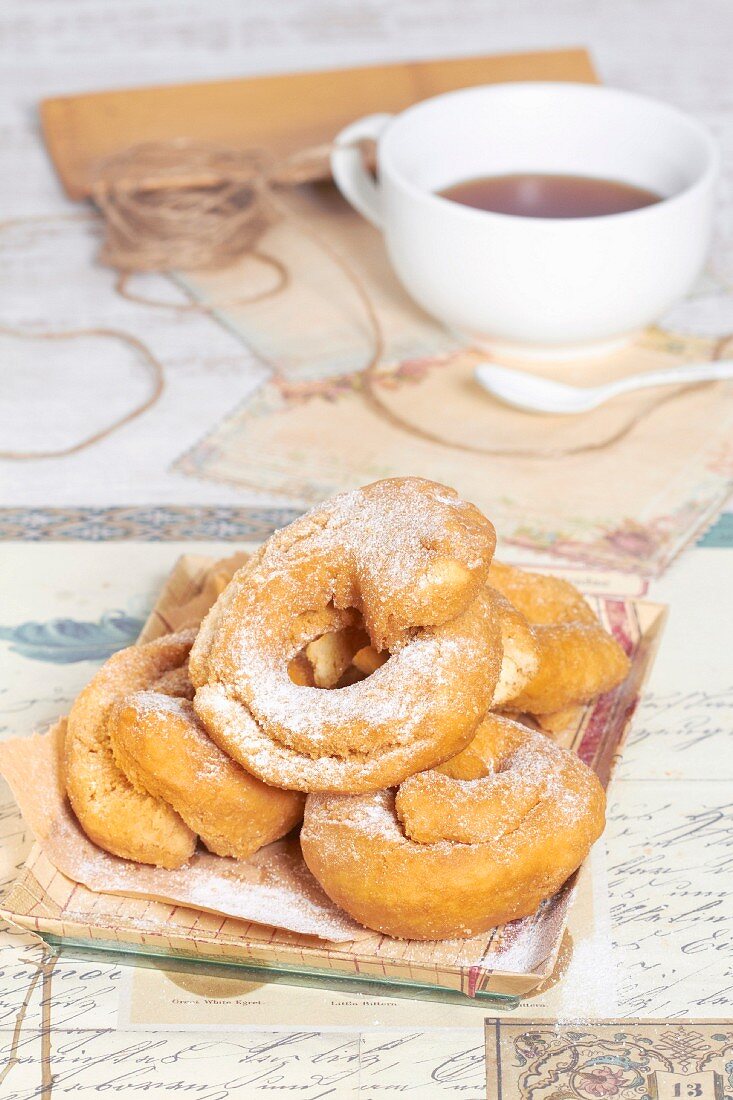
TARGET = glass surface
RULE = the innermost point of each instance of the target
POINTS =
(143, 955)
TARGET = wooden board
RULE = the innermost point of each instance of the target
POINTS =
(280, 113)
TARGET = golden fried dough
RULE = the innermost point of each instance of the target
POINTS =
(456, 851)
(577, 661)
(176, 683)
(558, 721)
(575, 658)
(411, 560)
(300, 671)
(113, 813)
(415, 730)
(163, 749)
(368, 660)
(332, 653)
(542, 599)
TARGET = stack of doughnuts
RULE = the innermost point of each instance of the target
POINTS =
(363, 672)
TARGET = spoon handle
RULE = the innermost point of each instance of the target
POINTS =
(674, 376)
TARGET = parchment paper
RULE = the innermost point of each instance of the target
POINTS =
(272, 887)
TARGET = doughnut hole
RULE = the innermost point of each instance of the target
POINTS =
(337, 658)
(362, 550)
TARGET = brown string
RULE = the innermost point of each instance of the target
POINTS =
(184, 205)
(189, 206)
(154, 365)
(160, 202)
(174, 205)
(179, 205)
(194, 306)
(375, 324)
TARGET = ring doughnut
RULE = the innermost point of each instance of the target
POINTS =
(461, 849)
(575, 658)
(111, 811)
(342, 657)
(163, 749)
(408, 559)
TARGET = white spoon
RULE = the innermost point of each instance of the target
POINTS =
(542, 395)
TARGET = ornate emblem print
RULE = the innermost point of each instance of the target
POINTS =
(614, 1059)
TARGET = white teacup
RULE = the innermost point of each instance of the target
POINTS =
(525, 285)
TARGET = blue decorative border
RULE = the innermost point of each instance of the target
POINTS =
(180, 523)
(156, 523)
(720, 535)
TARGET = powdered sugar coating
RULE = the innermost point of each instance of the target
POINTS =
(574, 658)
(412, 559)
(523, 773)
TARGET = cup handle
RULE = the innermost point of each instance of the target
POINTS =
(349, 172)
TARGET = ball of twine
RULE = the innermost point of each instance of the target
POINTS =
(182, 205)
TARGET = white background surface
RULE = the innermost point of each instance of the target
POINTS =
(679, 50)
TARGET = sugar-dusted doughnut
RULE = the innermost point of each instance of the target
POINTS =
(462, 848)
(575, 658)
(111, 811)
(163, 749)
(409, 560)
